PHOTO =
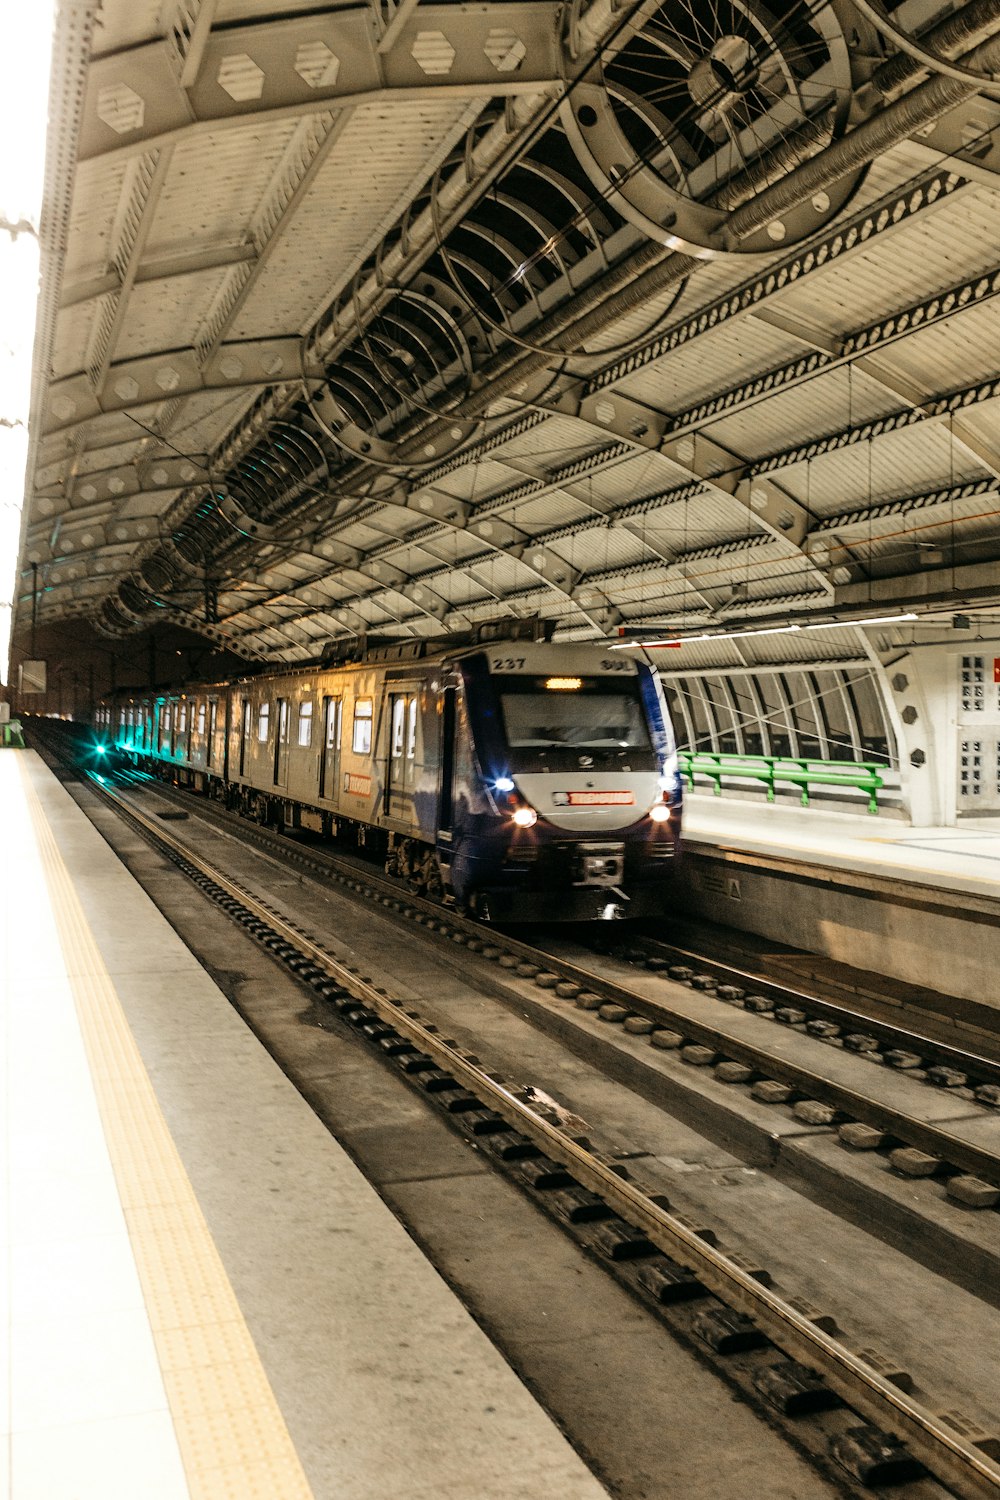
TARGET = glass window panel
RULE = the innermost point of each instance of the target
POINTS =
(305, 724)
(361, 740)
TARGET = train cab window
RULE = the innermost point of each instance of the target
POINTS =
(263, 722)
(305, 724)
(549, 725)
(201, 718)
(361, 739)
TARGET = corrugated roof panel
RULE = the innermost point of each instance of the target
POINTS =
(126, 25)
(553, 509)
(74, 326)
(555, 442)
(725, 356)
(477, 480)
(906, 462)
(500, 574)
(950, 242)
(701, 521)
(206, 417)
(647, 320)
(956, 352)
(929, 526)
(167, 314)
(636, 478)
(602, 549)
(215, 184)
(96, 190)
(825, 403)
(359, 189)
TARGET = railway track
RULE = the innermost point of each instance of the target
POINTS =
(750, 1061)
(788, 1358)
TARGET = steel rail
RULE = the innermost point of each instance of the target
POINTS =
(959, 1465)
(833, 1010)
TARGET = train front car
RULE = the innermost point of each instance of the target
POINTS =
(574, 808)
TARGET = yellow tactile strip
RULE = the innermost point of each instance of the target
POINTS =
(231, 1434)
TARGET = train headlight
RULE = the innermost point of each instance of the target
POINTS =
(659, 812)
(525, 817)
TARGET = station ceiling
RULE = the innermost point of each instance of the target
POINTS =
(681, 318)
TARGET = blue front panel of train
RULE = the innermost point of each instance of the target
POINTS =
(480, 833)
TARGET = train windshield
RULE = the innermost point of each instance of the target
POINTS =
(557, 723)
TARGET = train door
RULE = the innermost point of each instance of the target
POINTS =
(281, 745)
(329, 757)
(402, 756)
(245, 722)
(447, 793)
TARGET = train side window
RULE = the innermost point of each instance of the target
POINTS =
(411, 731)
(361, 739)
(398, 726)
(305, 724)
(263, 722)
(201, 717)
(182, 718)
(213, 720)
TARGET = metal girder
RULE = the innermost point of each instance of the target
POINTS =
(312, 61)
(980, 448)
(948, 585)
(906, 504)
(497, 535)
(863, 432)
(698, 457)
(853, 347)
(149, 174)
(966, 139)
(169, 374)
(882, 217)
(922, 402)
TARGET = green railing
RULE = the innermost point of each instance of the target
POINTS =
(863, 775)
(11, 737)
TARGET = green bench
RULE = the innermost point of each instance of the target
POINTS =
(862, 775)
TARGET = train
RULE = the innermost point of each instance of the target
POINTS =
(520, 779)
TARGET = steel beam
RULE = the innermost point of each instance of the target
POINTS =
(313, 61)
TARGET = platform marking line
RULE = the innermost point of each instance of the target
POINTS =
(233, 1439)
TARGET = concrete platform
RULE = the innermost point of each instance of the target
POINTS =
(962, 858)
(203, 1296)
(921, 905)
